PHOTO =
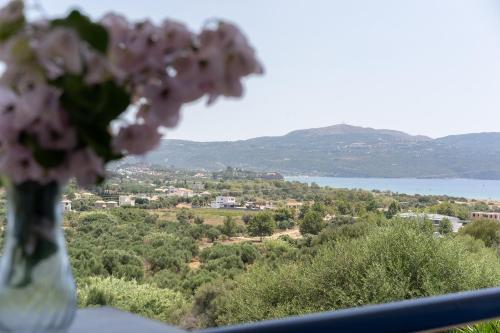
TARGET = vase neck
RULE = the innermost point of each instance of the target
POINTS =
(33, 232)
(34, 205)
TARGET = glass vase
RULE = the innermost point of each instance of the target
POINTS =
(37, 290)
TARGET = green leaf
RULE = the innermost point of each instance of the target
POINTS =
(99, 139)
(94, 34)
(99, 103)
(9, 29)
(91, 110)
(49, 158)
(114, 100)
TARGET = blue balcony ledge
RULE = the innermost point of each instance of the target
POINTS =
(109, 320)
(416, 315)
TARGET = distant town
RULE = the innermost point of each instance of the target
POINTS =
(189, 190)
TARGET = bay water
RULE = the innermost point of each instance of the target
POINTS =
(467, 188)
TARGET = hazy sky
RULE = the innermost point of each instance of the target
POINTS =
(422, 66)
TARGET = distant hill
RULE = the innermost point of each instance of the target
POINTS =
(344, 129)
(342, 151)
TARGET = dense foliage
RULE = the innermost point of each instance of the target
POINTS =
(486, 230)
(201, 267)
(393, 262)
(144, 299)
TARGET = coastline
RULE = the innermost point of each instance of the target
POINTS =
(480, 189)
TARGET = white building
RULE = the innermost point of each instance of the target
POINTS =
(223, 202)
(435, 218)
(66, 205)
(100, 204)
(111, 204)
(181, 192)
(126, 200)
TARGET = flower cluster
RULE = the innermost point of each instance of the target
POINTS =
(66, 81)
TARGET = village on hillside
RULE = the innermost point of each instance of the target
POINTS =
(155, 188)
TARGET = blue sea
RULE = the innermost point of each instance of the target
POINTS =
(467, 188)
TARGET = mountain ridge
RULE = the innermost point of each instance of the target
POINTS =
(342, 151)
(351, 129)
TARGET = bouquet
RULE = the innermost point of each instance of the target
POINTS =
(68, 83)
(76, 94)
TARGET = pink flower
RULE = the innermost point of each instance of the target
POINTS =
(54, 131)
(86, 166)
(59, 51)
(220, 34)
(177, 36)
(18, 163)
(238, 57)
(136, 50)
(241, 60)
(165, 100)
(233, 87)
(152, 42)
(12, 115)
(60, 174)
(117, 26)
(136, 139)
(97, 68)
(186, 74)
(216, 67)
(22, 78)
(20, 112)
(39, 100)
(199, 73)
(100, 69)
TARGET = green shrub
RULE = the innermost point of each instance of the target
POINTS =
(247, 252)
(229, 227)
(95, 223)
(144, 299)
(213, 234)
(261, 224)
(334, 232)
(486, 230)
(195, 279)
(390, 263)
(445, 227)
(278, 249)
(120, 263)
(97, 296)
(205, 302)
(312, 223)
(167, 279)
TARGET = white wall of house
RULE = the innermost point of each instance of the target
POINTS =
(223, 201)
(126, 200)
(435, 218)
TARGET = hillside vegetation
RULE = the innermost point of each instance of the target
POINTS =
(202, 267)
(205, 267)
